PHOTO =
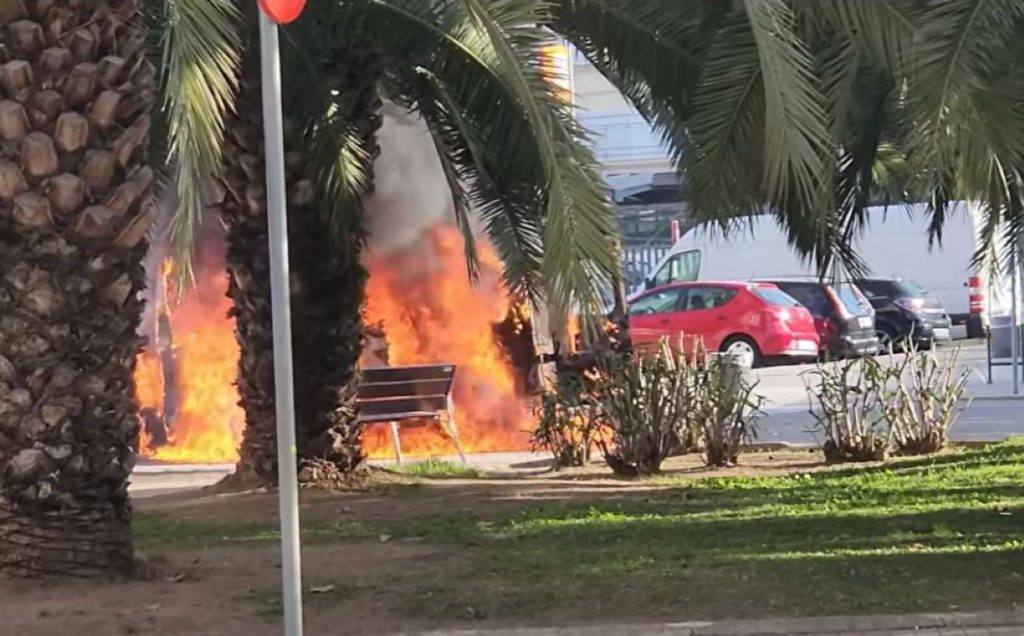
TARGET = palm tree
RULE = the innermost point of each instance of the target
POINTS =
(74, 211)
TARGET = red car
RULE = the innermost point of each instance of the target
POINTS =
(757, 319)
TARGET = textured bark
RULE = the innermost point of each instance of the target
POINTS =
(328, 287)
(69, 305)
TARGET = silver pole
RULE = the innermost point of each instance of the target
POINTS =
(1014, 320)
(284, 393)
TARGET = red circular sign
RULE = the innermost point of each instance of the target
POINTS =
(282, 11)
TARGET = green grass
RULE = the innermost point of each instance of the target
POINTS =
(917, 535)
(920, 535)
(439, 469)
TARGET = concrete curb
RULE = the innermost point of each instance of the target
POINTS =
(997, 398)
(1011, 622)
(164, 469)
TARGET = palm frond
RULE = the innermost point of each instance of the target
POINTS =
(327, 122)
(796, 139)
(961, 42)
(579, 255)
(883, 28)
(531, 177)
(200, 66)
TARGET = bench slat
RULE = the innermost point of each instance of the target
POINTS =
(399, 408)
(376, 419)
(406, 374)
(410, 388)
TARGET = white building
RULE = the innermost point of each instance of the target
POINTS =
(636, 165)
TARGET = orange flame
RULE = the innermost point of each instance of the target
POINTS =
(207, 426)
(431, 313)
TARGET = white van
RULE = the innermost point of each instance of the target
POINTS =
(895, 244)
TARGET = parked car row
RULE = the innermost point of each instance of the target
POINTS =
(795, 318)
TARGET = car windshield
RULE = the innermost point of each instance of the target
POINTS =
(775, 297)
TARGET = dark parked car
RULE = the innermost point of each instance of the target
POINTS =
(905, 311)
(843, 316)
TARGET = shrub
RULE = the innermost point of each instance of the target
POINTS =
(725, 411)
(644, 398)
(925, 402)
(850, 414)
(569, 422)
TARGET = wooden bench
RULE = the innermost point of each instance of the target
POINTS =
(397, 394)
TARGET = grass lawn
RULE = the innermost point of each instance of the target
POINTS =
(919, 535)
(934, 534)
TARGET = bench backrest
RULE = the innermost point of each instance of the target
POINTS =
(397, 393)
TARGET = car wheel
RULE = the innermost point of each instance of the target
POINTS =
(744, 346)
(888, 340)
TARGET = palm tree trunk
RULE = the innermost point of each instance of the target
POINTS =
(328, 282)
(74, 211)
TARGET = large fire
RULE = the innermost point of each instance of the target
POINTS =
(429, 312)
(206, 423)
(423, 303)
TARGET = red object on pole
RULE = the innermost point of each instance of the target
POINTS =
(674, 230)
(282, 11)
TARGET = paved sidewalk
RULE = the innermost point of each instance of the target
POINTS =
(959, 624)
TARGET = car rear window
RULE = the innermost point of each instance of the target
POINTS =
(875, 288)
(910, 288)
(852, 300)
(810, 295)
(776, 297)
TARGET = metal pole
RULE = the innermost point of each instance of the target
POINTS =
(1015, 321)
(988, 351)
(284, 393)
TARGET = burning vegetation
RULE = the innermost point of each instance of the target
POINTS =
(421, 309)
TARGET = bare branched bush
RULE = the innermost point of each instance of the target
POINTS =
(645, 398)
(926, 402)
(725, 410)
(847, 402)
(569, 422)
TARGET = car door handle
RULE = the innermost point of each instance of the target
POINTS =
(721, 318)
(665, 321)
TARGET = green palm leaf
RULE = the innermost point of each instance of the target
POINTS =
(200, 54)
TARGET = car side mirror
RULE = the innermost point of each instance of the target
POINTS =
(648, 283)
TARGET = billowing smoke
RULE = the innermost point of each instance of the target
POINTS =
(411, 194)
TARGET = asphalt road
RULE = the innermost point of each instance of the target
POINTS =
(981, 420)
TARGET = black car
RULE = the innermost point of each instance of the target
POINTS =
(843, 316)
(905, 311)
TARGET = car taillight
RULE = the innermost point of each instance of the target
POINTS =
(912, 305)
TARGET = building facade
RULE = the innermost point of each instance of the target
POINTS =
(636, 166)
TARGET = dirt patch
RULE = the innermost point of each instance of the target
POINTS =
(505, 489)
(225, 591)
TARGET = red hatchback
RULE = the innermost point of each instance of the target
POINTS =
(757, 319)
